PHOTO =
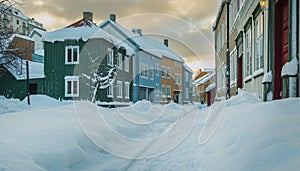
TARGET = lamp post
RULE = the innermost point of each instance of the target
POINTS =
(227, 73)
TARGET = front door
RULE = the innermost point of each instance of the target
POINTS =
(33, 88)
(240, 72)
(281, 43)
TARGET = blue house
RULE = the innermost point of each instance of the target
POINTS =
(146, 72)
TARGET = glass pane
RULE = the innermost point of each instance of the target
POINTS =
(69, 87)
(69, 53)
(75, 54)
(74, 87)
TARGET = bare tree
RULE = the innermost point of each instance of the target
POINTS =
(7, 55)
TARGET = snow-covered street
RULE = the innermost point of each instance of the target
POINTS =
(249, 135)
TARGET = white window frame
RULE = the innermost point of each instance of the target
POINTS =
(177, 64)
(168, 91)
(187, 93)
(126, 93)
(120, 60)
(157, 89)
(259, 54)
(163, 71)
(119, 89)
(72, 55)
(248, 52)
(71, 79)
(110, 57)
(163, 91)
(126, 64)
(157, 69)
(151, 73)
(144, 71)
(110, 89)
(177, 79)
(168, 72)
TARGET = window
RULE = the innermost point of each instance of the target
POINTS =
(120, 61)
(163, 72)
(71, 86)
(126, 64)
(248, 53)
(72, 55)
(177, 64)
(232, 67)
(177, 78)
(110, 89)
(186, 76)
(168, 72)
(17, 21)
(119, 89)
(186, 93)
(126, 93)
(144, 71)
(157, 69)
(258, 58)
(223, 33)
(151, 73)
(163, 91)
(157, 90)
(110, 57)
(169, 91)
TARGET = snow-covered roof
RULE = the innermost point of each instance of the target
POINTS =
(219, 13)
(39, 31)
(210, 87)
(18, 69)
(85, 29)
(187, 68)
(204, 79)
(22, 37)
(145, 43)
(290, 68)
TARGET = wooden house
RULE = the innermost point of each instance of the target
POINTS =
(82, 61)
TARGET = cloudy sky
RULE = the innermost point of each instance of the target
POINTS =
(186, 23)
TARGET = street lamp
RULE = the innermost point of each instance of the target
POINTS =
(227, 73)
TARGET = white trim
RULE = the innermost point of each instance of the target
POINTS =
(144, 68)
(157, 69)
(71, 79)
(72, 55)
(119, 89)
(163, 70)
(110, 54)
(120, 60)
(126, 64)
(146, 86)
(127, 90)
(169, 87)
(168, 73)
(111, 87)
(152, 71)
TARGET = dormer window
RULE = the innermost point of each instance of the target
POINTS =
(72, 55)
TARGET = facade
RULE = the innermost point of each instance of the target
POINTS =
(283, 15)
(265, 41)
(22, 46)
(15, 21)
(203, 79)
(13, 79)
(37, 36)
(82, 62)
(150, 55)
(187, 84)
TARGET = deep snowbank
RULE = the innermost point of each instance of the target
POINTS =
(251, 135)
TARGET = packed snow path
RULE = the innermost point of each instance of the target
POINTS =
(239, 134)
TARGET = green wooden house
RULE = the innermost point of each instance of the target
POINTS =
(82, 61)
(13, 79)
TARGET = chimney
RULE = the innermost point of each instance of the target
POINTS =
(166, 42)
(133, 30)
(139, 31)
(88, 15)
(112, 17)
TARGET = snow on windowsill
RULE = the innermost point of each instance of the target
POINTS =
(258, 72)
(267, 78)
(248, 78)
(290, 68)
